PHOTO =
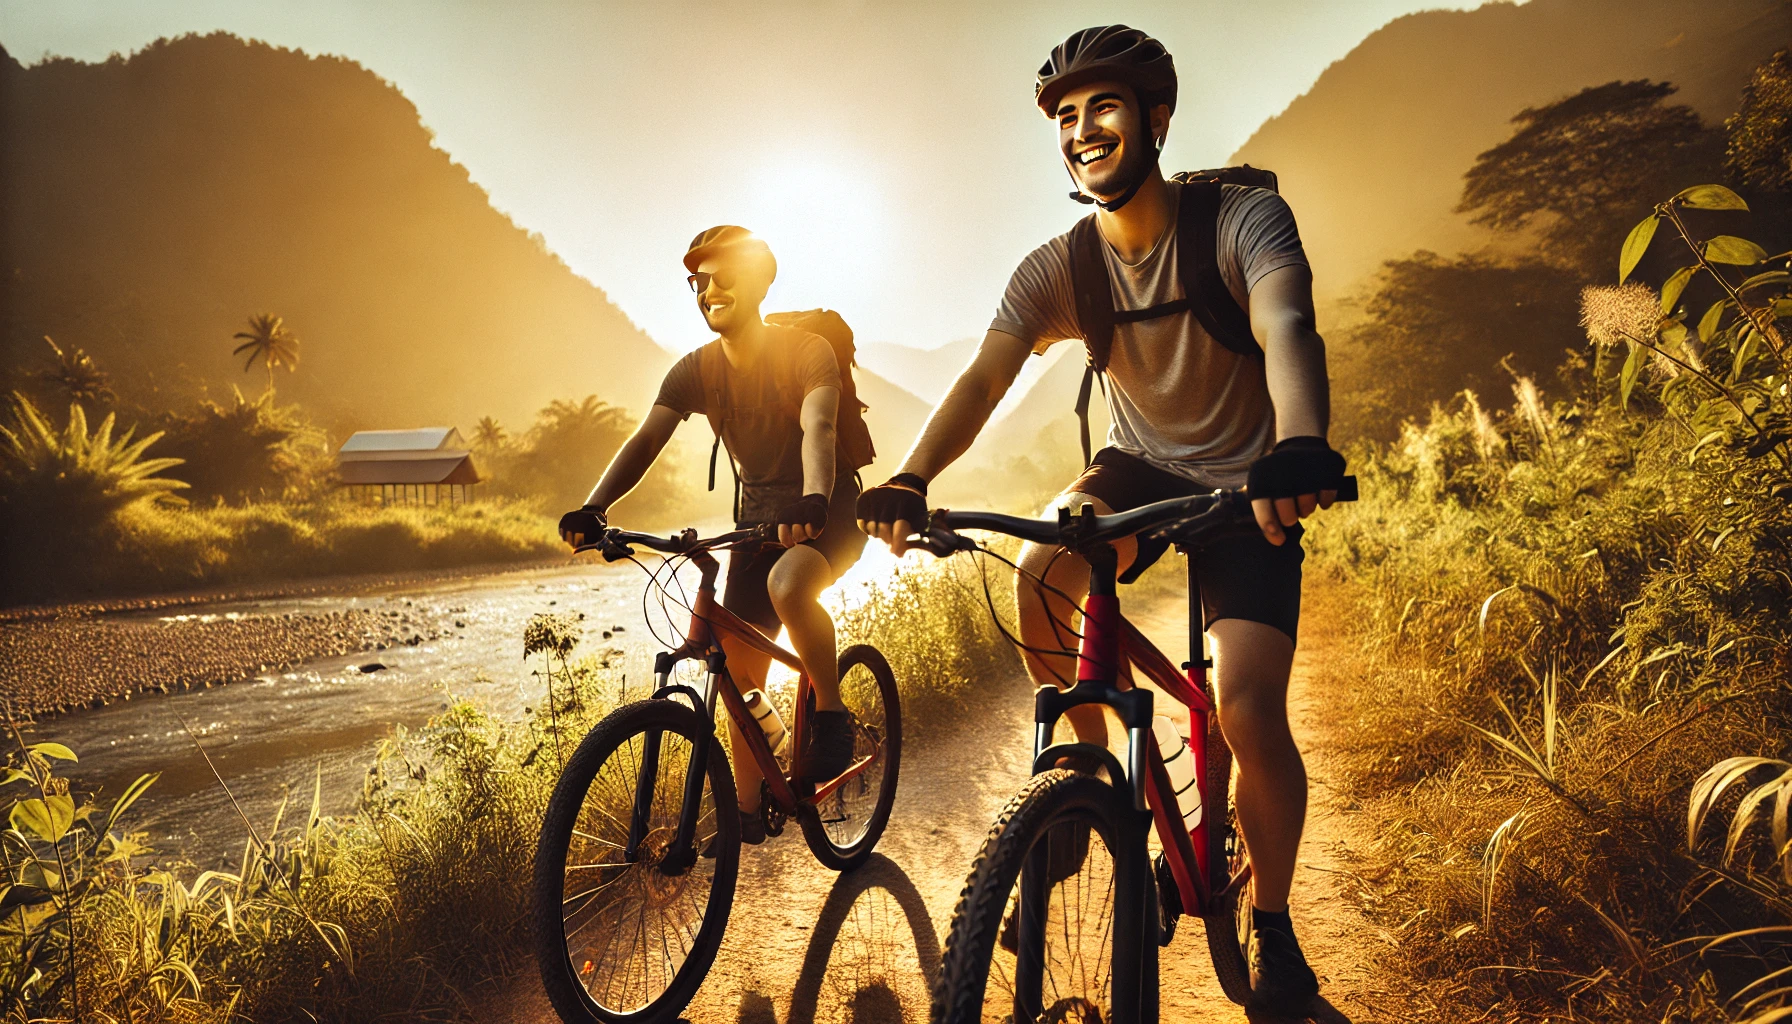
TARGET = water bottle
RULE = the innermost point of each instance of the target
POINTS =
(760, 707)
(1179, 761)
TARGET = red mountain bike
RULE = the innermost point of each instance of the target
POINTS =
(1064, 909)
(640, 847)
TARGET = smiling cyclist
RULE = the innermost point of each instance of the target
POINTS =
(1216, 386)
(772, 393)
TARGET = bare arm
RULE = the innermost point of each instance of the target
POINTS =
(1294, 368)
(956, 421)
(634, 458)
(819, 409)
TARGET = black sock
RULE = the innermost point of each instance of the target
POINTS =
(1277, 919)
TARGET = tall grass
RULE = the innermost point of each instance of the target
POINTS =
(1569, 612)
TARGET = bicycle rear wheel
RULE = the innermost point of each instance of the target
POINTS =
(627, 922)
(844, 826)
(1038, 934)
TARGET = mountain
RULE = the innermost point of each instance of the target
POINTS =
(1372, 157)
(926, 372)
(154, 202)
(894, 415)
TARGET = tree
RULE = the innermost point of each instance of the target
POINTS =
(1760, 146)
(1436, 326)
(76, 375)
(489, 434)
(268, 340)
(1583, 169)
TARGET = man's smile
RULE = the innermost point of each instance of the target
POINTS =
(1097, 152)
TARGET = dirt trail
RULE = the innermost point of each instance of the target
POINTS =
(805, 944)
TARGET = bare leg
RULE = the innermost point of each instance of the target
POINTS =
(796, 583)
(1040, 610)
(1251, 666)
(747, 667)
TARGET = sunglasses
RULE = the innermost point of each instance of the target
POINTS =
(699, 281)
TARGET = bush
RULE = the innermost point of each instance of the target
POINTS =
(247, 451)
(1572, 611)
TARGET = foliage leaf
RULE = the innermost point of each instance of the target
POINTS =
(1764, 279)
(1670, 292)
(48, 819)
(1713, 316)
(1633, 368)
(1729, 249)
(1637, 244)
(55, 750)
(1710, 197)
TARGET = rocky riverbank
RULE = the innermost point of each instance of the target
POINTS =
(75, 660)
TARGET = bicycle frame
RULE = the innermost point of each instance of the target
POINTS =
(709, 623)
(1110, 649)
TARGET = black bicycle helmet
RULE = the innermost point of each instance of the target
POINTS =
(1116, 53)
(1113, 52)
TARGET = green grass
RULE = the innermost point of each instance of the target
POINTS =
(155, 548)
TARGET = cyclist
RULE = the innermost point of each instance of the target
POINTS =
(1189, 414)
(773, 391)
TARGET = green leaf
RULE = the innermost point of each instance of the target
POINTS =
(124, 802)
(55, 750)
(1713, 316)
(1762, 280)
(1736, 251)
(1637, 244)
(10, 775)
(48, 820)
(1744, 352)
(1710, 197)
(1633, 368)
(1670, 292)
(1782, 308)
(1714, 436)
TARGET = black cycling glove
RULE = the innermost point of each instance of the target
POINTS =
(903, 498)
(1296, 466)
(587, 521)
(810, 510)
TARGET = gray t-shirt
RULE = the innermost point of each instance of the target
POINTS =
(1178, 399)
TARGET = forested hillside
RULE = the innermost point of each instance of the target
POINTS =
(155, 202)
(1372, 157)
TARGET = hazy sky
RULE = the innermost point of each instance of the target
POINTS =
(890, 153)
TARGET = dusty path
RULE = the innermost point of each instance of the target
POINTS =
(805, 944)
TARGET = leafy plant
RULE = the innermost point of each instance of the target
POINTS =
(246, 450)
(76, 375)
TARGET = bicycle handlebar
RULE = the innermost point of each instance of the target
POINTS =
(1179, 520)
(615, 544)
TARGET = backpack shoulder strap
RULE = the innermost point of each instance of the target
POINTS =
(710, 361)
(1197, 263)
(1094, 313)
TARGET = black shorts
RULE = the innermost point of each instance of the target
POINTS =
(745, 594)
(1242, 577)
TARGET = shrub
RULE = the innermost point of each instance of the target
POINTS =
(247, 450)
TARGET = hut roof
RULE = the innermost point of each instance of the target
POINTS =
(431, 455)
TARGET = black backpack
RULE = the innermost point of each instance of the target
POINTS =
(854, 449)
(1204, 289)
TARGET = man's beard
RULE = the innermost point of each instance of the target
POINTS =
(1136, 161)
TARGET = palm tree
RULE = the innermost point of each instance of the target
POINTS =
(77, 375)
(489, 434)
(268, 339)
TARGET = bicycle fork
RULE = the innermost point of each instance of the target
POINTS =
(1135, 918)
(681, 853)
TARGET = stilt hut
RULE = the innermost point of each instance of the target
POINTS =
(427, 466)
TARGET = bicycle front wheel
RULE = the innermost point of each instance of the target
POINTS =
(843, 826)
(628, 917)
(1057, 920)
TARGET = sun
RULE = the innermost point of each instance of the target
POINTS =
(826, 217)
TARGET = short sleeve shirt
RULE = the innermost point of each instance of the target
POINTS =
(1177, 398)
(762, 421)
